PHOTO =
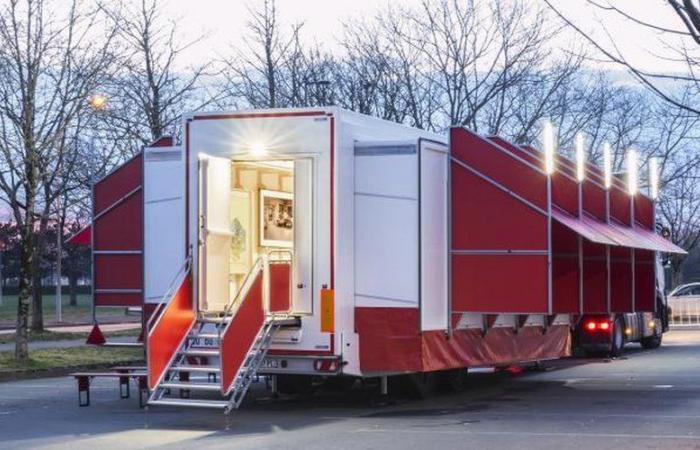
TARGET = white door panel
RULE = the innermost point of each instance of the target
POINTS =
(434, 193)
(215, 234)
(304, 211)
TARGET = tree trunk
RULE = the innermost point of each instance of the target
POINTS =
(73, 288)
(38, 294)
(37, 299)
(25, 291)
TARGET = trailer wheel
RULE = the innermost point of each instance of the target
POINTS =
(617, 340)
(653, 341)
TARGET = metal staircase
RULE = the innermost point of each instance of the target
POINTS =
(195, 371)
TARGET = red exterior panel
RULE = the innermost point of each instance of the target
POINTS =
(390, 341)
(565, 193)
(594, 199)
(565, 270)
(120, 227)
(496, 164)
(280, 295)
(118, 272)
(528, 156)
(620, 205)
(169, 331)
(595, 279)
(644, 211)
(240, 334)
(499, 228)
(499, 283)
(118, 184)
(117, 236)
(644, 281)
(486, 218)
(621, 295)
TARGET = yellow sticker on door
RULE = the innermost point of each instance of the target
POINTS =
(327, 311)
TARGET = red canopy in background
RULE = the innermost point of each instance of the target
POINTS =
(82, 237)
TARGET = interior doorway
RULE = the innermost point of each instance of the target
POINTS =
(249, 210)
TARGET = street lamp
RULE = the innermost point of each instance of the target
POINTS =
(98, 103)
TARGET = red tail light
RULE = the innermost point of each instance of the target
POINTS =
(326, 365)
(592, 325)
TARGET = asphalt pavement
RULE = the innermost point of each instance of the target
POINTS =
(646, 399)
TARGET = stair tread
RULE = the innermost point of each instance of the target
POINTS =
(205, 335)
(201, 352)
(210, 369)
(213, 319)
(191, 385)
(197, 403)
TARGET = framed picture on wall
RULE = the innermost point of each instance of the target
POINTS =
(276, 219)
(241, 229)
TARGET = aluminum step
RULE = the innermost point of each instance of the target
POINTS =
(216, 404)
(204, 336)
(201, 352)
(191, 386)
(286, 321)
(213, 319)
(198, 369)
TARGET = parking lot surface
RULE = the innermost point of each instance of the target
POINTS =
(646, 399)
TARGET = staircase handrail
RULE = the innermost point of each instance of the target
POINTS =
(242, 292)
(168, 295)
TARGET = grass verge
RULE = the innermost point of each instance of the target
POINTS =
(58, 361)
(65, 336)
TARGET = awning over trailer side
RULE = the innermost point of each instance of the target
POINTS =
(615, 234)
(583, 226)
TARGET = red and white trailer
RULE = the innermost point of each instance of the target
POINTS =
(306, 242)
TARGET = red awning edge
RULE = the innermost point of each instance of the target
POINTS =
(615, 234)
(583, 226)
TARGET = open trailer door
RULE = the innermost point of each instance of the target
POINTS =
(215, 235)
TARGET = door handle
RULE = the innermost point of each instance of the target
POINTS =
(300, 285)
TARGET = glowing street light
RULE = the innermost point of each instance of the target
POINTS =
(548, 144)
(632, 172)
(607, 165)
(97, 102)
(654, 178)
(580, 158)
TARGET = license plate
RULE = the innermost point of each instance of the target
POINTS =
(205, 343)
(270, 364)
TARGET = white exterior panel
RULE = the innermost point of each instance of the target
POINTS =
(164, 226)
(434, 192)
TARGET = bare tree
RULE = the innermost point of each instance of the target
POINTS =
(49, 63)
(681, 43)
(149, 93)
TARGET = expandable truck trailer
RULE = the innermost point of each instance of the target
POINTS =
(307, 242)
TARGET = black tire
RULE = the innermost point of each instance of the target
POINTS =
(617, 339)
(653, 341)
